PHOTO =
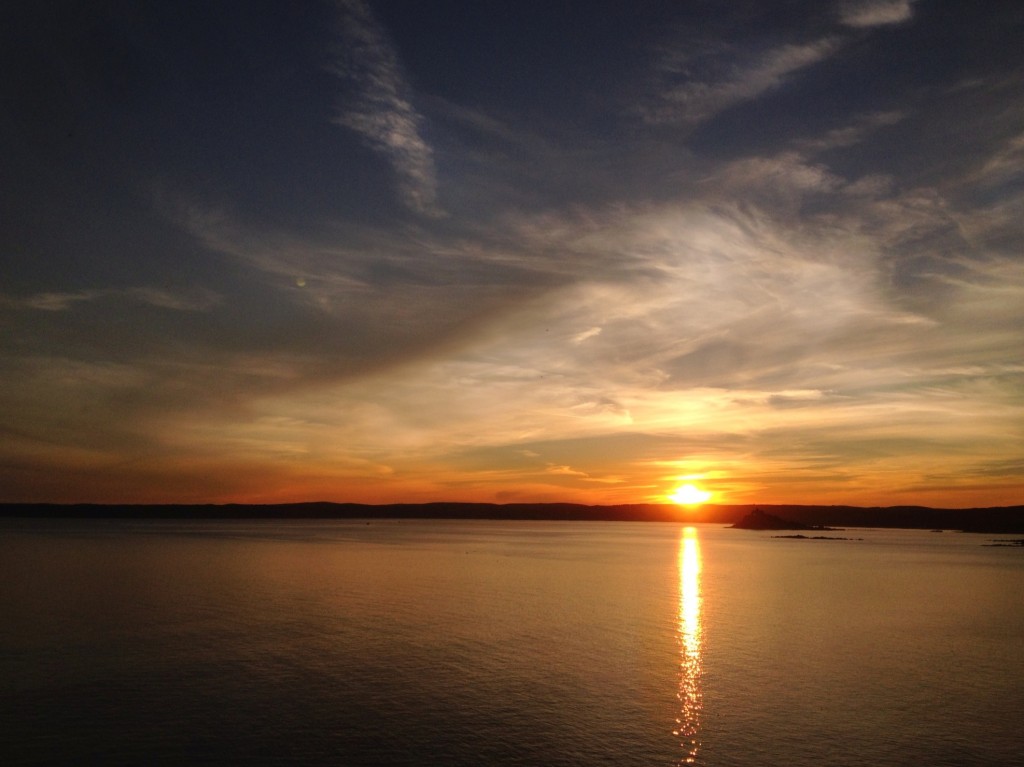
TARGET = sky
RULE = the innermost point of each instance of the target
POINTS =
(470, 250)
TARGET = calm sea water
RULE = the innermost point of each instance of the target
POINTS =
(505, 643)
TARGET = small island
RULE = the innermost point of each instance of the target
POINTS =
(760, 520)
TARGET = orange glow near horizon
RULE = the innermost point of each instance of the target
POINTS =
(218, 472)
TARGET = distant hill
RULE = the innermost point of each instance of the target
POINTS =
(1003, 519)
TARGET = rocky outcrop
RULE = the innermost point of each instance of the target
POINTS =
(760, 520)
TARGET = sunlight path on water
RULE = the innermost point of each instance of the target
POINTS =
(689, 637)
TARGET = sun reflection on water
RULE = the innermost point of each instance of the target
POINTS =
(689, 635)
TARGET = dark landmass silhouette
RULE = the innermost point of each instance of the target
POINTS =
(762, 520)
(800, 537)
(1001, 519)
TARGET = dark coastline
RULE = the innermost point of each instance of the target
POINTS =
(1003, 519)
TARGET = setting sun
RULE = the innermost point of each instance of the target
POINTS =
(689, 495)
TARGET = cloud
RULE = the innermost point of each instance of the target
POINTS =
(727, 327)
(860, 128)
(197, 300)
(380, 109)
(588, 320)
(590, 333)
(1005, 165)
(565, 471)
(733, 78)
(873, 13)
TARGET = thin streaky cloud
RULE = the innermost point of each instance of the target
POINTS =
(696, 100)
(1004, 165)
(874, 13)
(199, 300)
(380, 109)
(486, 125)
(852, 134)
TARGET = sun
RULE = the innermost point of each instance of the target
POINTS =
(689, 495)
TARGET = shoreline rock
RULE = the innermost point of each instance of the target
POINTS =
(760, 520)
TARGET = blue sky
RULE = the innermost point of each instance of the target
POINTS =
(513, 251)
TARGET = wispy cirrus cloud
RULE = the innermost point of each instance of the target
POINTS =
(874, 13)
(856, 132)
(198, 300)
(380, 109)
(699, 87)
(1006, 164)
(699, 79)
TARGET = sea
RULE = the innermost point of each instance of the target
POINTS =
(433, 642)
